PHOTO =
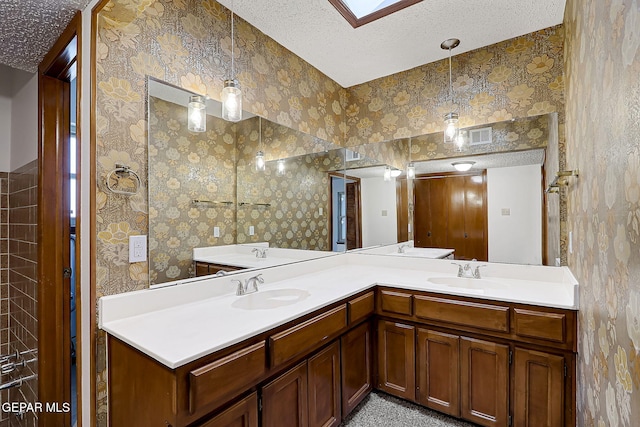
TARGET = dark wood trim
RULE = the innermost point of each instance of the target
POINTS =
(357, 22)
(545, 217)
(93, 326)
(60, 65)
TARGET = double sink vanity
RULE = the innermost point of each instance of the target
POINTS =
(319, 335)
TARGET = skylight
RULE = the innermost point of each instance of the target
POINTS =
(360, 12)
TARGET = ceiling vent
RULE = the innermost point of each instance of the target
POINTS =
(480, 136)
(351, 156)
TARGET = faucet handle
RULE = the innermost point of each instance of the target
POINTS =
(259, 278)
(460, 268)
(476, 272)
(240, 288)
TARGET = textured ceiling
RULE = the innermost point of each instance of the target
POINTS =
(30, 27)
(315, 31)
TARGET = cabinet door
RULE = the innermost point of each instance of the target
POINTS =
(324, 387)
(242, 414)
(539, 389)
(356, 367)
(284, 400)
(484, 384)
(396, 359)
(438, 367)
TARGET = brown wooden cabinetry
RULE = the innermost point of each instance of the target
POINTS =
(242, 414)
(396, 359)
(207, 268)
(284, 400)
(539, 389)
(484, 382)
(324, 387)
(438, 371)
(357, 366)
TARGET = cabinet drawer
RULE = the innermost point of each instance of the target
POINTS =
(287, 344)
(395, 302)
(243, 413)
(361, 307)
(539, 324)
(476, 315)
(221, 380)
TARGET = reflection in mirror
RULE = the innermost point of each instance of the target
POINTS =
(209, 207)
(495, 211)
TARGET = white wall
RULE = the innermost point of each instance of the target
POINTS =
(24, 124)
(517, 237)
(5, 134)
(378, 196)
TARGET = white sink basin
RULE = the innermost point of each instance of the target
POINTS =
(264, 300)
(467, 283)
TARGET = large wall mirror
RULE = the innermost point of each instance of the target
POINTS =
(313, 198)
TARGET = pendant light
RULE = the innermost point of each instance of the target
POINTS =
(197, 114)
(411, 168)
(387, 174)
(260, 162)
(281, 168)
(231, 95)
(451, 130)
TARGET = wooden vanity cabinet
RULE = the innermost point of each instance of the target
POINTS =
(438, 371)
(306, 395)
(356, 347)
(484, 382)
(242, 414)
(396, 359)
(284, 400)
(208, 268)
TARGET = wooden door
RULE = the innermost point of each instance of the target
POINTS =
(284, 400)
(324, 387)
(396, 359)
(484, 384)
(402, 203)
(431, 218)
(539, 389)
(353, 215)
(357, 367)
(475, 217)
(438, 370)
(242, 414)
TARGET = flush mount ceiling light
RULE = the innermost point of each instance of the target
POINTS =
(360, 12)
(463, 166)
(231, 95)
(451, 131)
(197, 114)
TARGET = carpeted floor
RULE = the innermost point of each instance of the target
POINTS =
(382, 410)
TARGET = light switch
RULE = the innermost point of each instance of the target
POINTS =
(506, 211)
(252, 230)
(216, 231)
(319, 211)
(137, 248)
(384, 212)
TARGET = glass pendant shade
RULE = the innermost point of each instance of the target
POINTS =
(231, 98)
(280, 170)
(197, 114)
(411, 171)
(451, 130)
(260, 163)
(387, 173)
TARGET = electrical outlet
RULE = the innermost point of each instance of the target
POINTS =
(137, 248)
(506, 211)
(216, 231)
(384, 212)
(252, 230)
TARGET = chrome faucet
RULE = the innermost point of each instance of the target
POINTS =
(251, 282)
(401, 248)
(260, 252)
(467, 271)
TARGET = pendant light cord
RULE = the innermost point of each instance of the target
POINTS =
(233, 74)
(450, 84)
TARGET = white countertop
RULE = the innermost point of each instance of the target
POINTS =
(242, 255)
(179, 324)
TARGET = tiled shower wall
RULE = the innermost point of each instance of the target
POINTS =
(4, 279)
(22, 238)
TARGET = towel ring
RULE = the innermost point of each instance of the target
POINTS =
(121, 171)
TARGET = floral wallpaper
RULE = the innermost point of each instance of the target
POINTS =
(603, 142)
(183, 167)
(187, 43)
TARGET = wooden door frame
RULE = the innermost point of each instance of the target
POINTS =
(62, 63)
(358, 183)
